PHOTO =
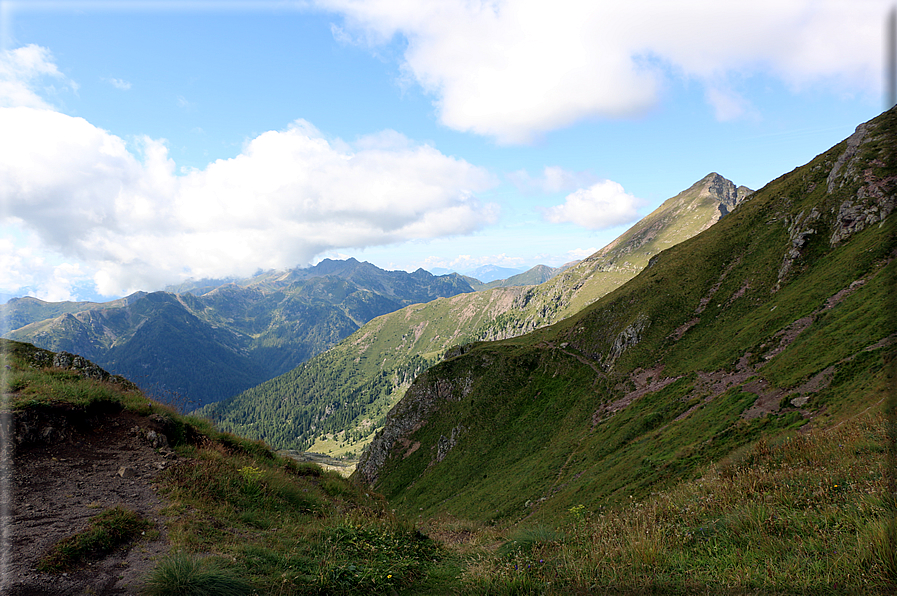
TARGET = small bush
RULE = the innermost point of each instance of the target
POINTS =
(183, 575)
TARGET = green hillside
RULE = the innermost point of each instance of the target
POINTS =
(777, 319)
(336, 401)
(227, 515)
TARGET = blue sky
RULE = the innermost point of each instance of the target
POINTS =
(145, 142)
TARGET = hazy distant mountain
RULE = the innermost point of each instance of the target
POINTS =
(210, 341)
(487, 273)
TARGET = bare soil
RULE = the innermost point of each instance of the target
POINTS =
(66, 471)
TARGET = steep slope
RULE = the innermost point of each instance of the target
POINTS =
(336, 401)
(778, 316)
(196, 349)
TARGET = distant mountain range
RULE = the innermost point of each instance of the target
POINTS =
(211, 339)
(339, 398)
(205, 340)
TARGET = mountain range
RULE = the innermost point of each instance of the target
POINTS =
(337, 400)
(212, 339)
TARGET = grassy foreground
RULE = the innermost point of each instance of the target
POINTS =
(807, 514)
(801, 513)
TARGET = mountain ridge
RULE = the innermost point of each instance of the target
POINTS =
(349, 389)
(243, 332)
(775, 316)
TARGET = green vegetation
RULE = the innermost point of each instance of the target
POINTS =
(806, 515)
(183, 575)
(106, 531)
(728, 337)
(240, 518)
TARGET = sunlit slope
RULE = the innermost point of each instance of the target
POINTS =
(337, 400)
(778, 316)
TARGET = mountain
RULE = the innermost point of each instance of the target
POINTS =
(337, 400)
(775, 320)
(202, 344)
(531, 277)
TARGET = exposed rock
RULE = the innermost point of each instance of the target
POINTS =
(445, 444)
(856, 215)
(625, 340)
(410, 414)
(799, 232)
(839, 173)
(126, 472)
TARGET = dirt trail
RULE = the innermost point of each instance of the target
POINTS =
(64, 473)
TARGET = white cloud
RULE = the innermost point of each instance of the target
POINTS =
(554, 179)
(513, 70)
(22, 70)
(468, 262)
(24, 266)
(289, 195)
(578, 254)
(600, 206)
(729, 105)
(120, 84)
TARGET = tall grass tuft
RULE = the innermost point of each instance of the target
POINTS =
(184, 575)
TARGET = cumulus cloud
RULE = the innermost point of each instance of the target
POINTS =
(600, 206)
(553, 179)
(289, 195)
(120, 84)
(22, 70)
(514, 69)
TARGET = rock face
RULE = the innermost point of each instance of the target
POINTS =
(411, 413)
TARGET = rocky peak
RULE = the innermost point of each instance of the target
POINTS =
(724, 192)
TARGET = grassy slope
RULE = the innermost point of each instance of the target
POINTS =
(345, 393)
(533, 417)
(243, 510)
(802, 515)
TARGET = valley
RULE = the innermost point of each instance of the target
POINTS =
(707, 403)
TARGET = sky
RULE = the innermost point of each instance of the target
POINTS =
(144, 143)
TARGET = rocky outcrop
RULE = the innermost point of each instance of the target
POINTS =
(410, 414)
(800, 229)
(627, 338)
(446, 443)
(845, 166)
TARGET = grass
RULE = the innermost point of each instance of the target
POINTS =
(183, 575)
(808, 515)
(107, 531)
(240, 517)
(290, 528)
